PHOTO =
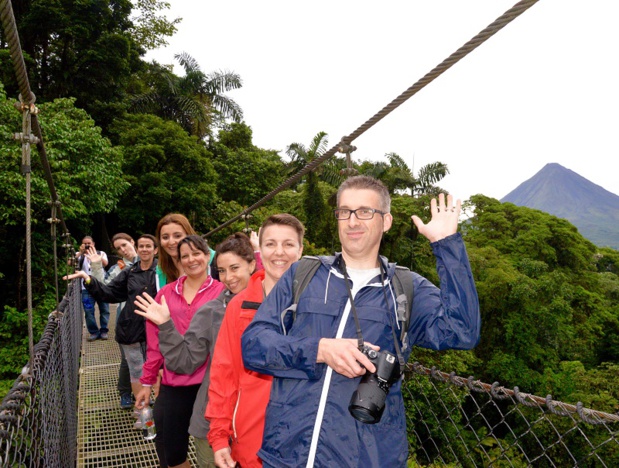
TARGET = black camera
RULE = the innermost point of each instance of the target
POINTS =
(368, 401)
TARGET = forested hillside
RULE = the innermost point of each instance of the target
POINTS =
(129, 141)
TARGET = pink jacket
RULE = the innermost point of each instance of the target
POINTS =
(181, 314)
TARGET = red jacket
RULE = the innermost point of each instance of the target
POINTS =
(237, 397)
(181, 314)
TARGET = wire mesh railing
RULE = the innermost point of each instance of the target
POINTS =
(452, 420)
(38, 417)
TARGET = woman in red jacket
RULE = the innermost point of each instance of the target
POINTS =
(237, 397)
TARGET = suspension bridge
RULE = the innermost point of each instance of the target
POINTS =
(63, 408)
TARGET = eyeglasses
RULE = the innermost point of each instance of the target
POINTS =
(360, 213)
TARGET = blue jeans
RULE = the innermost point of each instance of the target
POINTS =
(89, 311)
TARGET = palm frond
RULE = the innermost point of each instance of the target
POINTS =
(227, 107)
(222, 81)
(187, 62)
(397, 161)
(432, 173)
(318, 145)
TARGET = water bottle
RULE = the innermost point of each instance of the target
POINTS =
(148, 423)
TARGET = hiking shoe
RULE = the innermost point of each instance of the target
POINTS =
(125, 401)
(103, 336)
(92, 337)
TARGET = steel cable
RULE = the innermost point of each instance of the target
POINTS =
(467, 48)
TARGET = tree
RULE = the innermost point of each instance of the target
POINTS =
(397, 176)
(542, 299)
(314, 205)
(246, 173)
(169, 169)
(86, 171)
(150, 30)
(195, 100)
(81, 49)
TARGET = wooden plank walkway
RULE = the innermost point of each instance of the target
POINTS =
(105, 434)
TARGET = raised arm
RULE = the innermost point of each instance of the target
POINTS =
(114, 291)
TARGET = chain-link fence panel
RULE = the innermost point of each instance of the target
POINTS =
(38, 417)
(456, 421)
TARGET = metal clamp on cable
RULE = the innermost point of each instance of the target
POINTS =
(345, 148)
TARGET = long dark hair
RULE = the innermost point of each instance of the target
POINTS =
(165, 261)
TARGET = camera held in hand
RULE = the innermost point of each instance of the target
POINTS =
(368, 401)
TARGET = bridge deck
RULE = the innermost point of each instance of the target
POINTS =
(106, 437)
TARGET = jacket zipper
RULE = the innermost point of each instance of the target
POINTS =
(236, 408)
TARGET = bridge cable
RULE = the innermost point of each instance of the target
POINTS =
(344, 145)
(19, 66)
(31, 134)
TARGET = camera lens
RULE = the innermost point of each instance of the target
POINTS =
(368, 401)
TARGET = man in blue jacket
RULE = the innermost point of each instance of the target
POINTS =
(316, 358)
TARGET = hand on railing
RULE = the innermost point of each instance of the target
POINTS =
(79, 274)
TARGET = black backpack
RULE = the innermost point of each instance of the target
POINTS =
(402, 283)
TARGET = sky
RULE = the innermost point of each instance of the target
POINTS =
(542, 90)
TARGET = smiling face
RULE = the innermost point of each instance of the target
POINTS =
(193, 261)
(146, 250)
(169, 237)
(234, 271)
(125, 248)
(361, 238)
(279, 248)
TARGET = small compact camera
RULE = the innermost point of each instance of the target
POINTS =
(368, 401)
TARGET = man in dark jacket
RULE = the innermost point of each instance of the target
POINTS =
(130, 282)
(350, 305)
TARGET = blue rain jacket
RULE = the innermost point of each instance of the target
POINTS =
(440, 319)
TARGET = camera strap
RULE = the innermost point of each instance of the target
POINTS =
(360, 340)
(347, 280)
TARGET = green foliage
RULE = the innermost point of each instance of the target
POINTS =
(167, 167)
(14, 353)
(195, 101)
(398, 177)
(542, 300)
(81, 49)
(401, 244)
(428, 408)
(150, 30)
(246, 173)
(315, 209)
(86, 169)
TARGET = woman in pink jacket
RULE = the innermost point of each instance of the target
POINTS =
(177, 393)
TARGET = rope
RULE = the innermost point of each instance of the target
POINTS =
(345, 142)
(27, 99)
(10, 29)
(26, 138)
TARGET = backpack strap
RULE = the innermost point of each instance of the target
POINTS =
(306, 269)
(403, 285)
(308, 265)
